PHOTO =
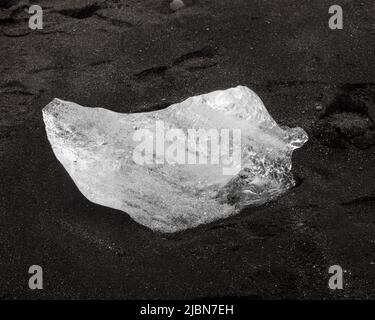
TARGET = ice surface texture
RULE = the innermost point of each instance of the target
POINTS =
(97, 146)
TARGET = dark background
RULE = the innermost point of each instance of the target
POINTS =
(138, 56)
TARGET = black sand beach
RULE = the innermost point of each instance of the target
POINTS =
(130, 56)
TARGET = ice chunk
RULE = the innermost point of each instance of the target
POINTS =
(192, 163)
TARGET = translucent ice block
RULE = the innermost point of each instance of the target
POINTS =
(192, 163)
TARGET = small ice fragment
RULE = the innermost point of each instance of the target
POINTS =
(176, 5)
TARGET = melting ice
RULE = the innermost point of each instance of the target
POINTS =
(192, 163)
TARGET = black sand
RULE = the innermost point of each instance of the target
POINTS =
(137, 55)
